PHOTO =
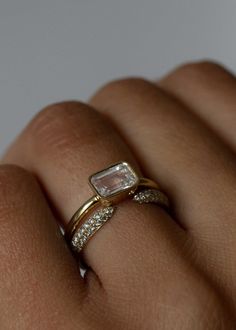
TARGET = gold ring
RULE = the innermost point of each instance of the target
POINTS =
(111, 185)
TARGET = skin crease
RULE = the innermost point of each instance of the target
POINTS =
(147, 269)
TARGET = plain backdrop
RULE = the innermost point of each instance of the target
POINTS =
(52, 50)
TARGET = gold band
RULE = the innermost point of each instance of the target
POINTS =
(95, 201)
(111, 185)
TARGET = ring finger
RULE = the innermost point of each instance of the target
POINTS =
(64, 145)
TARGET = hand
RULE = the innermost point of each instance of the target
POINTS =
(147, 269)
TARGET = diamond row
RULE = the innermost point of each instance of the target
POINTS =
(101, 216)
(151, 196)
(90, 226)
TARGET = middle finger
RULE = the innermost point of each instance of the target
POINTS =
(193, 165)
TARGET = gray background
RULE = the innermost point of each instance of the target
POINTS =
(52, 49)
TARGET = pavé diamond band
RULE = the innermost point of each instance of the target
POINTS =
(111, 186)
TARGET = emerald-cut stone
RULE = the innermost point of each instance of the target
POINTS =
(113, 180)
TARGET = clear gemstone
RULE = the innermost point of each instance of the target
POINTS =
(74, 242)
(113, 180)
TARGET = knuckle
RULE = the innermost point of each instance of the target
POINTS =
(54, 115)
(60, 126)
(120, 86)
(126, 96)
(197, 71)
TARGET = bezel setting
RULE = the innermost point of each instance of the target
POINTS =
(118, 180)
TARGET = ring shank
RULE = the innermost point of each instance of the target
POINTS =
(89, 205)
(95, 201)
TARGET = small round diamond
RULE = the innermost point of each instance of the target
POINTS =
(94, 223)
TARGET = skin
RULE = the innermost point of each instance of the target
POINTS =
(147, 269)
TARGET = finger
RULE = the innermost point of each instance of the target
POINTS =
(135, 104)
(210, 91)
(190, 162)
(39, 280)
(64, 145)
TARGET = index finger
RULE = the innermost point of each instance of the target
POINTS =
(40, 286)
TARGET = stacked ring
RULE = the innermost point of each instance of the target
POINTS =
(111, 186)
